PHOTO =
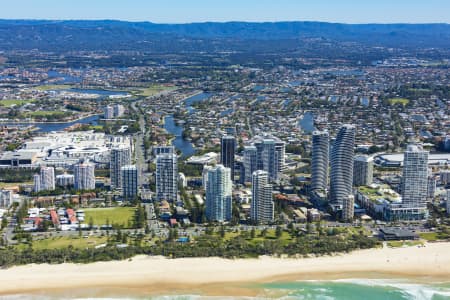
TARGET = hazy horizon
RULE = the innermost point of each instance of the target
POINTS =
(223, 22)
(200, 11)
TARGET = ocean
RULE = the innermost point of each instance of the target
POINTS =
(346, 289)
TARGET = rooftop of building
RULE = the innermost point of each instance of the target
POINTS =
(380, 192)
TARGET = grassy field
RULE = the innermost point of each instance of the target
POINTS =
(429, 236)
(402, 101)
(12, 184)
(53, 87)
(64, 242)
(153, 90)
(284, 239)
(45, 113)
(9, 103)
(396, 244)
(115, 215)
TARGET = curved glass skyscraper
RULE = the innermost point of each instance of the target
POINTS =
(341, 178)
(319, 160)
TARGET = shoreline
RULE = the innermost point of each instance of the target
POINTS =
(146, 275)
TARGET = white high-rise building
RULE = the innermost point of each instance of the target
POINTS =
(415, 177)
(129, 182)
(167, 177)
(341, 179)
(108, 112)
(119, 157)
(267, 157)
(6, 198)
(218, 187)
(262, 206)
(270, 157)
(65, 180)
(84, 173)
(362, 170)
(119, 110)
(250, 162)
(319, 160)
(47, 179)
(36, 183)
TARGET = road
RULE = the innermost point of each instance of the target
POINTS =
(139, 148)
(8, 233)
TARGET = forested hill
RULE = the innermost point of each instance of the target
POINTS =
(118, 35)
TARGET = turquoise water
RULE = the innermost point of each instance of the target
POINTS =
(348, 289)
(355, 289)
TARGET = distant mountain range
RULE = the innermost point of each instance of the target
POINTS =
(119, 35)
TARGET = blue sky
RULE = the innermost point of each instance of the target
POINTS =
(184, 11)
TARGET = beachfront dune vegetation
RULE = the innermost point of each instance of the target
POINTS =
(227, 245)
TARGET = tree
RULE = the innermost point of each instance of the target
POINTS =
(278, 232)
(4, 222)
(253, 233)
(264, 232)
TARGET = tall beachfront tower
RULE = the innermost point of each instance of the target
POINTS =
(167, 177)
(319, 160)
(120, 156)
(262, 207)
(227, 152)
(415, 177)
(84, 173)
(129, 174)
(341, 179)
(218, 187)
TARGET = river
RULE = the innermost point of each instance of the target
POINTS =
(186, 148)
(307, 122)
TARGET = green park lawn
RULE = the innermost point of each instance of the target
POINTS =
(64, 242)
(396, 244)
(10, 103)
(113, 215)
(402, 101)
(45, 113)
(51, 87)
(153, 90)
(429, 236)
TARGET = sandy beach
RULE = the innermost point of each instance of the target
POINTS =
(160, 275)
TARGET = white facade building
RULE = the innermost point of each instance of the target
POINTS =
(84, 173)
(262, 206)
(218, 187)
